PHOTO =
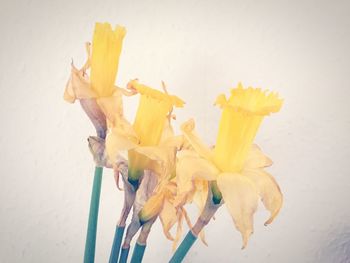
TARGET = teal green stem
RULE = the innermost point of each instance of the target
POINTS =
(137, 255)
(118, 237)
(124, 255)
(184, 247)
(89, 254)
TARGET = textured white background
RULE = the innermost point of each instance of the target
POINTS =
(200, 48)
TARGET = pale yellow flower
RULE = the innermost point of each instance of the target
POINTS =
(151, 118)
(99, 97)
(235, 165)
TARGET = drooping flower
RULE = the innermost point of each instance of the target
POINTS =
(235, 165)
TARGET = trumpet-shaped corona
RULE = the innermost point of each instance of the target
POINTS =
(106, 49)
(151, 114)
(242, 115)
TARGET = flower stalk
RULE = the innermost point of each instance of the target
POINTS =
(129, 198)
(90, 244)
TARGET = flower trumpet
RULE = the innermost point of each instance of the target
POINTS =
(151, 116)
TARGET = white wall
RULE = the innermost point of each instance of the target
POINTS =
(201, 49)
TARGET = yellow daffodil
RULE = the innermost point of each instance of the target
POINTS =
(147, 130)
(98, 96)
(235, 166)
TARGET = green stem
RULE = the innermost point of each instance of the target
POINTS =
(184, 247)
(124, 255)
(137, 255)
(89, 254)
(118, 236)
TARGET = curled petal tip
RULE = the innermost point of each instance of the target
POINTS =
(169, 237)
(269, 221)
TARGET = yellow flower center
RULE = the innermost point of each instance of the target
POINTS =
(106, 48)
(242, 115)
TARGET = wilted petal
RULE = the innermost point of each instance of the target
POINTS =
(112, 107)
(241, 198)
(116, 142)
(192, 137)
(152, 207)
(268, 189)
(201, 194)
(97, 148)
(168, 217)
(78, 86)
(174, 141)
(178, 230)
(168, 130)
(189, 167)
(163, 159)
(256, 158)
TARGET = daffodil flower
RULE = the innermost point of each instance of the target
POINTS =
(234, 167)
(147, 130)
(99, 97)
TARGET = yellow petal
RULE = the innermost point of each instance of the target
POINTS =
(174, 141)
(188, 129)
(188, 168)
(241, 198)
(163, 159)
(168, 131)
(168, 218)
(178, 230)
(117, 141)
(78, 86)
(152, 207)
(256, 158)
(268, 189)
(112, 106)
